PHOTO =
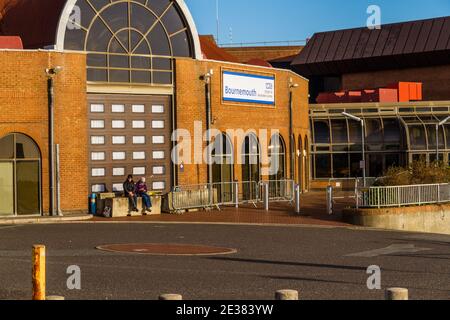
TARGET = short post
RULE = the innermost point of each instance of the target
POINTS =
(236, 194)
(297, 199)
(397, 294)
(266, 196)
(286, 295)
(55, 298)
(38, 272)
(330, 200)
(169, 297)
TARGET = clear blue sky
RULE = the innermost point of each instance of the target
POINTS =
(280, 20)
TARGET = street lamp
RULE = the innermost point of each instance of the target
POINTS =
(207, 79)
(363, 137)
(292, 86)
(51, 73)
(437, 135)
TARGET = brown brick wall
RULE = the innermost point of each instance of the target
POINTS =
(23, 109)
(245, 54)
(436, 80)
(191, 106)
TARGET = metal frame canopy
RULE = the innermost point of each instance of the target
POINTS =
(129, 41)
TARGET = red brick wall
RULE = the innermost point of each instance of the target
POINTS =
(436, 80)
(23, 109)
(191, 106)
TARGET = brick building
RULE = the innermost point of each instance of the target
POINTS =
(133, 72)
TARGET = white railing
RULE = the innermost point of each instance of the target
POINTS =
(400, 196)
(228, 193)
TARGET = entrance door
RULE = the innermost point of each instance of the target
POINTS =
(20, 184)
(6, 188)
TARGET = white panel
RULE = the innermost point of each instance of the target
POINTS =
(159, 185)
(98, 172)
(117, 187)
(139, 140)
(158, 139)
(139, 170)
(118, 172)
(97, 124)
(158, 124)
(158, 155)
(97, 108)
(97, 156)
(158, 170)
(97, 140)
(98, 188)
(139, 155)
(118, 140)
(138, 108)
(118, 108)
(119, 155)
(118, 124)
(157, 109)
(138, 124)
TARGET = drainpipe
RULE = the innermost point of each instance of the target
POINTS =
(207, 79)
(51, 156)
(291, 127)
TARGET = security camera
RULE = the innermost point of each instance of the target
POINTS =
(53, 71)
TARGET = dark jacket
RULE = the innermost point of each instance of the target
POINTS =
(128, 187)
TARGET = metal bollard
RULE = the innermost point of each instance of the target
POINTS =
(286, 295)
(266, 196)
(397, 294)
(297, 199)
(236, 194)
(168, 297)
(330, 200)
(38, 272)
(54, 298)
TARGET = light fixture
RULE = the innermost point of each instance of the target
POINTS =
(53, 71)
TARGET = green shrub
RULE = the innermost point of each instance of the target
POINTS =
(419, 173)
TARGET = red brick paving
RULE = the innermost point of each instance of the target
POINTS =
(313, 207)
(166, 249)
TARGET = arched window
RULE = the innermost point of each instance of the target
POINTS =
(222, 167)
(20, 166)
(129, 41)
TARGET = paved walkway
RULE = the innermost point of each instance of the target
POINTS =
(312, 206)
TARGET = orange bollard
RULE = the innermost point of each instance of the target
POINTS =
(38, 272)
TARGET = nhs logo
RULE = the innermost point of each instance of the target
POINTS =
(269, 86)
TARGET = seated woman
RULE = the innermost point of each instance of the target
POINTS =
(141, 191)
(129, 192)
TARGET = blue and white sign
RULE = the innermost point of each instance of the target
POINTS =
(248, 88)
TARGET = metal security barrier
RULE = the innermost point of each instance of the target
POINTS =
(399, 196)
(193, 197)
(205, 196)
(281, 190)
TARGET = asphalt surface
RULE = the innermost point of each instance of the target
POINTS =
(322, 263)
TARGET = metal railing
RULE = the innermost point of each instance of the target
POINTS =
(203, 196)
(400, 196)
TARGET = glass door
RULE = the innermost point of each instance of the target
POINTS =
(27, 177)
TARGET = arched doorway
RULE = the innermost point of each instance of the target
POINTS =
(300, 159)
(222, 167)
(20, 175)
(306, 153)
(251, 166)
(277, 177)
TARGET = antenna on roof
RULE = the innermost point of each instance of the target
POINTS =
(231, 35)
(218, 21)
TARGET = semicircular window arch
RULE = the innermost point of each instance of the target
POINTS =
(129, 41)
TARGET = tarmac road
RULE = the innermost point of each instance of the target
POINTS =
(322, 263)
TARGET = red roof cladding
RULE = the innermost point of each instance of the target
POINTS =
(11, 43)
(212, 51)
